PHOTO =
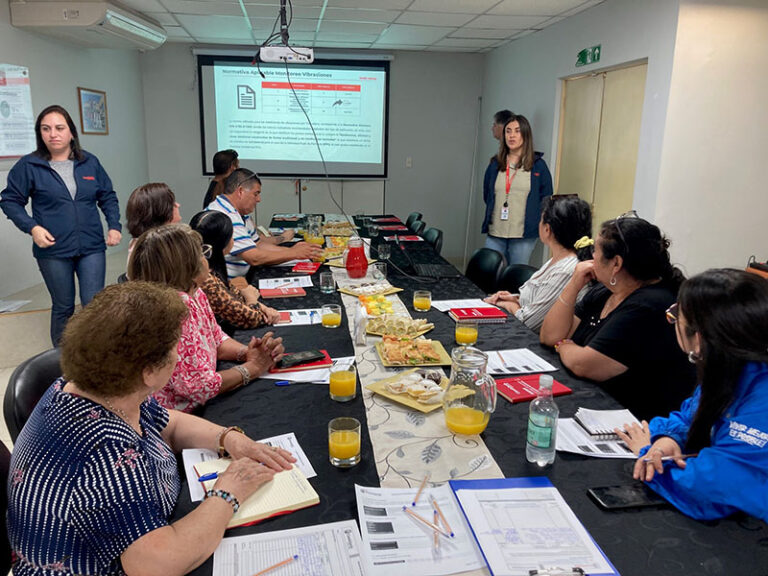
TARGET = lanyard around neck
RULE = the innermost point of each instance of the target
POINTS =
(510, 179)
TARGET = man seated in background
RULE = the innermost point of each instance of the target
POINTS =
(242, 191)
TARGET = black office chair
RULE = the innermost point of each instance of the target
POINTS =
(435, 237)
(417, 227)
(5, 547)
(412, 217)
(514, 276)
(484, 268)
(123, 278)
(27, 385)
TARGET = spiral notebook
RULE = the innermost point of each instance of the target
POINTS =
(601, 423)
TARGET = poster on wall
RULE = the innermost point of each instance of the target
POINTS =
(17, 123)
(93, 111)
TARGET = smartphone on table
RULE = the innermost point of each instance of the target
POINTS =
(626, 496)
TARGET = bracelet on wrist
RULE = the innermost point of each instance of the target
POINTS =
(244, 373)
(560, 343)
(220, 439)
(560, 298)
(226, 496)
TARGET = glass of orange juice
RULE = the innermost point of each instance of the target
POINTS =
(344, 442)
(466, 332)
(343, 385)
(422, 300)
(330, 314)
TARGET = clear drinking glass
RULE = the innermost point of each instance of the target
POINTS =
(330, 314)
(384, 251)
(344, 442)
(327, 284)
(343, 383)
(422, 300)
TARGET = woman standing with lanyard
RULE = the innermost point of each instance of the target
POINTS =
(66, 185)
(513, 193)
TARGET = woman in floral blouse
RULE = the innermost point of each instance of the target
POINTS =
(233, 307)
(172, 255)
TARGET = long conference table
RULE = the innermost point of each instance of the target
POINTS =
(641, 542)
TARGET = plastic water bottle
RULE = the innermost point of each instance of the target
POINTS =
(542, 425)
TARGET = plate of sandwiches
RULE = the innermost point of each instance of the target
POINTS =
(338, 229)
(369, 288)
(396, 325)
(420, 388)
(408, 351)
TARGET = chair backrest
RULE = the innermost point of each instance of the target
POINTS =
(26, 386)
(435, 237)
(5, 546)
(514, 276)
(412, 217)
(417, 226)
(484, 267)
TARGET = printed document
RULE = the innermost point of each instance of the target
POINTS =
(518, 361)
(288, 282)
(445, 305)
(571, 437)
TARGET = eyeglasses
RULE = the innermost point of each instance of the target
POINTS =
(630, 214)
(671, 313)
(207, 250)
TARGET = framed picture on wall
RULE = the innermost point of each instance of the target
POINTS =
(93, 111)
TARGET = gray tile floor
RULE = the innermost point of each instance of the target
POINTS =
(26, 333)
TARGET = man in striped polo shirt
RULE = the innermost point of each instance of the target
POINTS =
(242, 191)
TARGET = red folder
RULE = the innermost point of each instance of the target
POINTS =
(282, 292)
(525, 388)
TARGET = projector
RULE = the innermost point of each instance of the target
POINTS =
(287, 54)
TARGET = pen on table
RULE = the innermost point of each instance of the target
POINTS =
(668, 458)
(426, 522)
(421, 488)
(206, 477)
(283, 563)
(442, 517)
(436, 541)
(283, 383)
(312, 317)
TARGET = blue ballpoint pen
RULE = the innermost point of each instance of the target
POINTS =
(206, 477)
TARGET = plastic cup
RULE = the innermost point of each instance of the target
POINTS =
(330, 315)
(344, 442)
(343, 385)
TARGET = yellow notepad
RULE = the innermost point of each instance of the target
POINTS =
(288, 491)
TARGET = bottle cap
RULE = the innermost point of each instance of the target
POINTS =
(546, 381)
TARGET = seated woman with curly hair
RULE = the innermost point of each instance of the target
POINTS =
(172, 255)
(93, 477)
(233, 307)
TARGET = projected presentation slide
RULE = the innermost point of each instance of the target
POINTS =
(262, 118)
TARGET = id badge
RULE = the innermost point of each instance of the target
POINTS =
(504, 213)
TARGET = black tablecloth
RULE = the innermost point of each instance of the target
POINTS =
(639, 542)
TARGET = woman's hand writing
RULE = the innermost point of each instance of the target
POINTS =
(663, 447)
(42, 237)
(240, 446)
(243, 477)
(635, 436)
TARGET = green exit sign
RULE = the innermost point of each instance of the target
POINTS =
(588, 56)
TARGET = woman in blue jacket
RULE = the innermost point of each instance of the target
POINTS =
(67, 185)
(515, 183)
(722, 324)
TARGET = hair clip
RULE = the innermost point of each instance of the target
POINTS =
(583, 242)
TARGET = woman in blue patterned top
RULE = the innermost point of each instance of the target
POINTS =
(93, 477)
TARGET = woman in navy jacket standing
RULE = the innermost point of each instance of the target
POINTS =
(515, 184)
(67, 186)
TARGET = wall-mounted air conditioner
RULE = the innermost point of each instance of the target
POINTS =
(94, 24)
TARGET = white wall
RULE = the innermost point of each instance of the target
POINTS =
(524, 76)
(433, 106)
(713, 198)
(56, 70)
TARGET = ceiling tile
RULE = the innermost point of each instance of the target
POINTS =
(488, 33)
(522, 34)
(450, 49)
(434, 18)
(413, 35)
(330, 26)
(143, 5)
(205, 8)
(353, 45)
(261, 11)
(461, 6)
(165, 18)
(330, 37)
(360, 15)
(224, 41)
(221, 27)
(579, 8)
(534, 7)
(466, 42)
(176, 32)
(512, 22)
(374, 4)
(264, 25)
(409, 47)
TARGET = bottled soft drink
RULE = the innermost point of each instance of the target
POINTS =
(542, 425)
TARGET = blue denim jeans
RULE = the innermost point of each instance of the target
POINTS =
(515, 250)
(59, 275)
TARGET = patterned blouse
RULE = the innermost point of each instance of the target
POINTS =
(83, 485)
(229, 305)
(195, 380)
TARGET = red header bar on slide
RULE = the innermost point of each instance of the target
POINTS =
(312, 86)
